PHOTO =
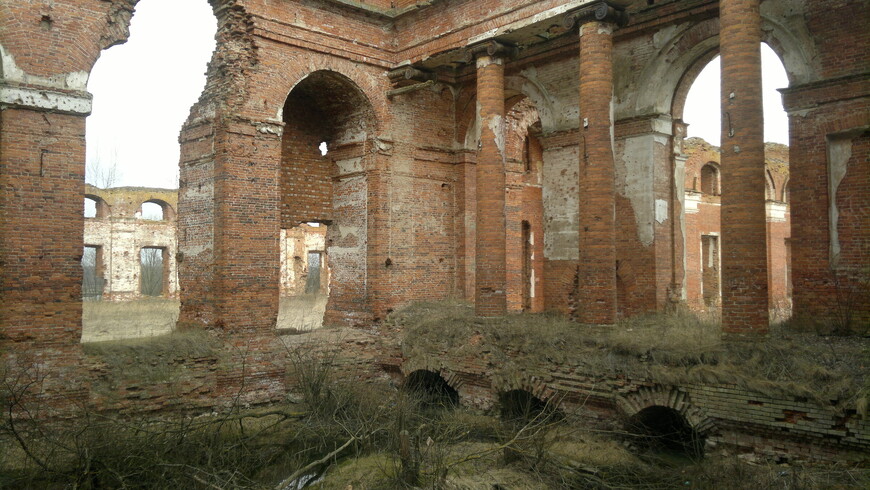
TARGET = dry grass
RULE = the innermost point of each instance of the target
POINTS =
(152, 359)
(675, 348)
(110, 320)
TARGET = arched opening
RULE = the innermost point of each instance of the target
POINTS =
(659, 428)
(521, 406)
(132, 140)
(95, 207)
(710, 179)
(328, 124)
(432, 390)
(524, 205)
(153, 211)
(697, 104)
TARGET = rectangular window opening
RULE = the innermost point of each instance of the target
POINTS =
(153, 271)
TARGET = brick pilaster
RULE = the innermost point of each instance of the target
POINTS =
(744, 257)
(490, 279)
(597, 267)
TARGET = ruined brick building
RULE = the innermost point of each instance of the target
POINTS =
(523, 154)
(129, 231)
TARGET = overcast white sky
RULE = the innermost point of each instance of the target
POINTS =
(143, 91)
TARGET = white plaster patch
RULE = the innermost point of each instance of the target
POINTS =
(77, 80)
(634, 181)
(691, 201)
(775, 211)
(46, 99)
(661, 211)
(496, 125)
(484, 61)
(561, 202)
(349, 166)
(270, 128)
(540, 17)
(839, 153)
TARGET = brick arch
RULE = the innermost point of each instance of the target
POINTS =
(336, 81)
(103, 210)
(516, 88)
(168, 210)
(664, 84)
(770, 186)
(666, 396)
(532, 384)
(413, 365)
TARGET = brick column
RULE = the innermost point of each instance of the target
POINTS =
(490, 276)
(596, 295)
(744, 254)
(42, 177)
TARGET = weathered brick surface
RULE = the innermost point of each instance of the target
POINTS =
(597, 273)
(490, 291)
(744, 261)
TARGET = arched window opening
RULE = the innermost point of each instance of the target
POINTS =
(521, 406)
(710, 180)
(697, 104)
(659, 428)
(328, 122)
(785, 192)
(152, 211)
(432, 390)
(95, 207)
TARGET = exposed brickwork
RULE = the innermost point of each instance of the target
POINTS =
(490, 292)
(744, 256)
(597, 294)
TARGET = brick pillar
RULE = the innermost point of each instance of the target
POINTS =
(744, 254)
(490, 276)
(597, 268)
(42, 177)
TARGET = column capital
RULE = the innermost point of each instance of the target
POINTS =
(491, 48)
(612, 12)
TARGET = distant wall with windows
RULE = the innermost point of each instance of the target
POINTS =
(703, 221)
(130, 247)
(130, 243)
